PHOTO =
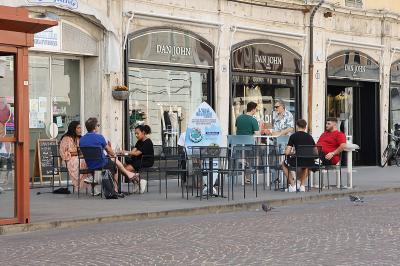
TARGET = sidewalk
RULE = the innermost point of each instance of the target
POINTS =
(54, 209)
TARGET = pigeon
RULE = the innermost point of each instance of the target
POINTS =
(266, 207)
(354, 198)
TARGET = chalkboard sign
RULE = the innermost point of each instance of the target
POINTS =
(45, 149)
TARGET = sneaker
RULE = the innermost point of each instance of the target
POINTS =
(135, 188)
(215, 192)
(291, 189)
(143, 184)
(205, 190)
(302, 188)
(96, 193)
(90, 180)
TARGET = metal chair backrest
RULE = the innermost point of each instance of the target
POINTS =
(244, 152)
(158, 151)
(266, 155)
(91, 154)
(240, 140)
(308, 151)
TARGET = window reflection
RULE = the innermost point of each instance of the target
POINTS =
(7, 126)
(164, 99)
(263, 91)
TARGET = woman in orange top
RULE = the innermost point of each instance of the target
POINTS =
(69, 152)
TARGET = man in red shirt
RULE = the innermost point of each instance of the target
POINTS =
(332, 141)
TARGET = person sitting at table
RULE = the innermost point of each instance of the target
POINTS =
(333, 142)
(246, 124)
(301, 137)
(283, 120)
(94, 139)
(69, 152)
(142, 156)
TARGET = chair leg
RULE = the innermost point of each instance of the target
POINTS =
(201, 188)
(147, 180)
(166, 185)
(255, 177)
(327, 174)
(319, 181)
(340, 177)
(244, 185)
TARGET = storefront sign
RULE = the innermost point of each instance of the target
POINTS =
(48, 40)
(170, 47)
(266, 57)
(204, 128)
(71, 4)
(353, 65)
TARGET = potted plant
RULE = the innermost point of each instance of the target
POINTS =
(120, 92)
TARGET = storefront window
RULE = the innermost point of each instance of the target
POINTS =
(264, 91)
(164, 99)
(394, 107)
(54, 96)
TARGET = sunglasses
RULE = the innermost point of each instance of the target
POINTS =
(276, 106)
(98, 125)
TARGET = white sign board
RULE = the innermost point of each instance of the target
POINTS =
(48, 40)
(71, 4)
(204, 128)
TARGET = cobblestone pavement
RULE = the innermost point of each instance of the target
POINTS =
(336, 232)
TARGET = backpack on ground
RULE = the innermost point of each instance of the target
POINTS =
(108, 186)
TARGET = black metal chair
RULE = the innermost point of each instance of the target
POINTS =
(307, 156)
(335, 167)
(172, 158)
(91, 154)
(243, 160)
(57, 168)
(155, 168)
(208, 161)
(267, 161)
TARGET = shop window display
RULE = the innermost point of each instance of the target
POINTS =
(164, 99)
(264, 91)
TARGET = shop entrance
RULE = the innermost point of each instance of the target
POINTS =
(356, 106)
(353, 98)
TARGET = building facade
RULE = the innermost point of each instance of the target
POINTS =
(175, 54)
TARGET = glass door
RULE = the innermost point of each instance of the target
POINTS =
(54, 96)
(8, 136)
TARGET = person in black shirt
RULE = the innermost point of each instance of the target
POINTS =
(142, 156)
(301, 137)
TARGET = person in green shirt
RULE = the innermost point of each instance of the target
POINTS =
(246, 124)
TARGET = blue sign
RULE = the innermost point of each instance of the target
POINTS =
(204, 128)
(71, 4)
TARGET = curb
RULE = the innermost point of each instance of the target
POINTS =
(20, 228)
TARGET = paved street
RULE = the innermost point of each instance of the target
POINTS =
(336, 232)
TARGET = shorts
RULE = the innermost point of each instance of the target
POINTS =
(134, 162)
(110, 165)
(301, 163)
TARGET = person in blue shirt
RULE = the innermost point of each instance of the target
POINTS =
(94, 139)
